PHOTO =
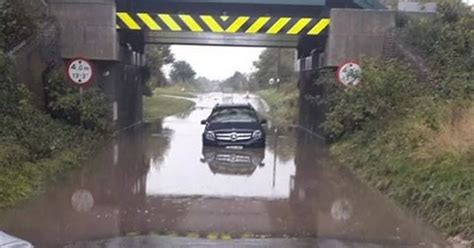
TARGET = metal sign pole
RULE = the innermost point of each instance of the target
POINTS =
(81, 90)
(278, 68)
(81, 73)
(275, 156)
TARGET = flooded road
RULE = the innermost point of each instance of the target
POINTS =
(156, 186)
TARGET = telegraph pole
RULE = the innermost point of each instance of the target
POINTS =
(278, 68)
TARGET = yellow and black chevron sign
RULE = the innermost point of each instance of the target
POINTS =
(222, 24)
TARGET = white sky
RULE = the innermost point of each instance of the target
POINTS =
(217, 62)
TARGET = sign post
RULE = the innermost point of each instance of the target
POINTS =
(81, 74)
(349, 73)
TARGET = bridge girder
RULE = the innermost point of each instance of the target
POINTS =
(214, 39)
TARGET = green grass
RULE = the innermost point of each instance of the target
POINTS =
(27, 178)
(159, 106)
(26, 170)
(283, 104)
(175, 90)
(430, 171)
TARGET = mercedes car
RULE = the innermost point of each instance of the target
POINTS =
(234, 125)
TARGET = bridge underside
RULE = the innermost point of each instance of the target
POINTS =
(216, 39)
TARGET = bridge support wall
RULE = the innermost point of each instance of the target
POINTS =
(357, 33)
(354, 34)
(88, 30)
(122, 83)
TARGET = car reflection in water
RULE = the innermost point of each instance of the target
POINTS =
(242, 162)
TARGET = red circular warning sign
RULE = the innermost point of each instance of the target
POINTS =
(349, 73)
(80, 72)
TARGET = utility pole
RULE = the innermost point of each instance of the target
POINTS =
(278, 68)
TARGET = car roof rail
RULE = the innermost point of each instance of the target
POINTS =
(233, 104)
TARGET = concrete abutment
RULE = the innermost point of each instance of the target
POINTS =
(354, 34)
(88, 30)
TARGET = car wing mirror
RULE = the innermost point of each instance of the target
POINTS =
(203, 122)
(263, 121)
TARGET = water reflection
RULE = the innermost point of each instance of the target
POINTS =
(233, 162)
(159, 178)
(282, 142)
(158, 141)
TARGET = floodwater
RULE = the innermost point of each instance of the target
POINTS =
(155, 186)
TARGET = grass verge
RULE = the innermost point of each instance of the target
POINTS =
(283, 104)
(25, 172)
(406, 140)
(430, 171)
(160, 106)
(175, 90)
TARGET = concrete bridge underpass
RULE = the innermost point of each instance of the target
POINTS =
(113, 34)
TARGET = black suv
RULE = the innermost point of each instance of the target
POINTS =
(233, 125)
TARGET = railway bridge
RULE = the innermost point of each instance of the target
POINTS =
(114, 33)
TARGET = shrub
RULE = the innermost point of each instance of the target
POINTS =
(11, 93)
(64, 102)
(447, 42)
(15, 24)
(386, 89)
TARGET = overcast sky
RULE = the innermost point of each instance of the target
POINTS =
(217, 62)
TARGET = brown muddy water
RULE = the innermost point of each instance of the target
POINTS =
(156, 186)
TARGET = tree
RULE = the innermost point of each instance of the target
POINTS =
(182, 72)
(157, 57)
(206, 84)
(238, 81)
(267, 66)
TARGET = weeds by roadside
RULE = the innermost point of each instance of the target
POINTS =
(414, 140)
(283, 104)
(405, 161)
(35, 148)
